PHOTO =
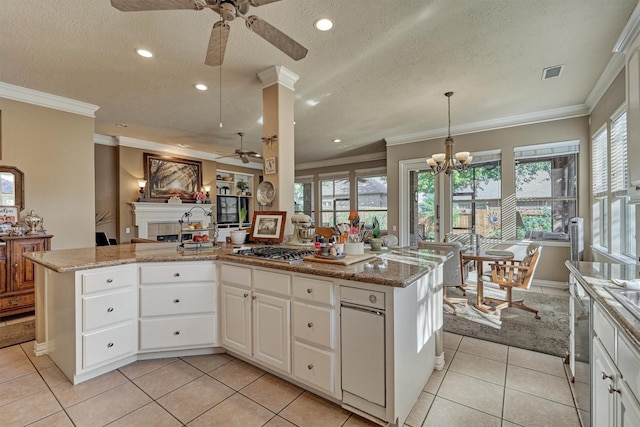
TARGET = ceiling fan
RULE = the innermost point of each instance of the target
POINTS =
(228, 11)
(242, 153)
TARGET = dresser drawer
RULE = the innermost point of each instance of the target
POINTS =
(177, 332)
(107, 309)
(313, 290)
(178, 272)
(235, 275)
(13, 302)
(104, 279)
(167, 300)
(108, 345)
(314, 366)
(270, 282)
(314, 324)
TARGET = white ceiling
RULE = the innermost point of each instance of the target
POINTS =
(380, 73)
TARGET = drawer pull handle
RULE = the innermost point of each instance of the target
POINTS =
(309, 366)
(109, 280)
(613, 390)
(110, 345)
(15, 274)
(253, 297)
(246, 295)
(309, 290)
(176, 274)
(605, 376)
(109, 310)
(176, 333)
(176, 301)
(15, 301)
(310, 325)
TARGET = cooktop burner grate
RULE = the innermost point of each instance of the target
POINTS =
(288, 255)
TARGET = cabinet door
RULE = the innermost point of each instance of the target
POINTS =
(235, 319)
(21, 270)
(271, 331)
(604, 374)
(627, 408)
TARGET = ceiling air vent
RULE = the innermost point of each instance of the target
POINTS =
(551, 72)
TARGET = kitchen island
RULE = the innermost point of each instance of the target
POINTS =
(362, 335)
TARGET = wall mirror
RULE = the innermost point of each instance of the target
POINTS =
(12, 187)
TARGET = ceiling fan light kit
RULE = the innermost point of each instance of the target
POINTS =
(448, 162)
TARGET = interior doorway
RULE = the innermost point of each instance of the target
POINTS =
(423, 207)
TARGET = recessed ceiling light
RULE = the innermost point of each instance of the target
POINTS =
(122, 125)
(144, 53)
(201, 86)
(183, 145)
(312, 102)
(337, 140)
(323, 24)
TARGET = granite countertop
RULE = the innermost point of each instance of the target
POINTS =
(395, 267)
(595, 277)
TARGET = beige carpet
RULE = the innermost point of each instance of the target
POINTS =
(17, 332)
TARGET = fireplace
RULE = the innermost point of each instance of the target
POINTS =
(159, 221)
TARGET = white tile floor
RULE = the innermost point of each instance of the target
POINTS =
(483, 384)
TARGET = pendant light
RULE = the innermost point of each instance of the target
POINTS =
(447, 162)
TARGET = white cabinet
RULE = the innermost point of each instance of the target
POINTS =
(178, 305)
(255, 314)
(315, 334)
(615, 376)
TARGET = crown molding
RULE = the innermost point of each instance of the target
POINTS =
(105, 140)
(611, 71)
(42, 99)
(629, 33)
(342, 161)
(494, 124)
(280, 75)
(164, 148)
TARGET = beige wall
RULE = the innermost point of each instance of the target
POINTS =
(55, 151)
(106, 165)
(504, 139)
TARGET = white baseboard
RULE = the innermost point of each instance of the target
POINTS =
(551, 284)
(40, 348)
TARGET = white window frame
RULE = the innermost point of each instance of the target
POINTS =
(371, 173)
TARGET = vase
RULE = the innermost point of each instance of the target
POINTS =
(198, 201)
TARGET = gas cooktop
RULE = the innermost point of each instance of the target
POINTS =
(275, 253)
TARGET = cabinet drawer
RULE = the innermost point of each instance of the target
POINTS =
(604, 330)
(13, 302)
(163, 300)
(314, 324)
(313, 290)
(177, 332)
(236, 275)
(107, 309)
(178, 272)
(109, 345)
(108, 278)
(274, 283)
(629, 365)
(314, 366)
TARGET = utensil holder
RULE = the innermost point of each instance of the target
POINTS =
(351, 248)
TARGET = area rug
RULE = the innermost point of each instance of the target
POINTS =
(515, 327)
(16, 333)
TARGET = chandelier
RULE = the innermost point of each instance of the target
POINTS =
(447, 162)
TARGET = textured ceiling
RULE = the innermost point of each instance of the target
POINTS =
(380, 73)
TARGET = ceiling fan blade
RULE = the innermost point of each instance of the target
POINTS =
(217, 44)
(136, 5)
(276, 37)
(257, 3)
(244, 158)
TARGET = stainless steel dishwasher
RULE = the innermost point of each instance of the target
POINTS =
(362, 326)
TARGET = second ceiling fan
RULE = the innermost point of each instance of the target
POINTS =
(242, 153)
(228, 11)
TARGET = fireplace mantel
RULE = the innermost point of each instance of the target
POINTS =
(145, 213)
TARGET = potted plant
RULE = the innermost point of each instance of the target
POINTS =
(376, 241)
(242, 186)
(239, 236)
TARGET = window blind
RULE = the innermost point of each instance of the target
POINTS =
(551, 149)
(619, 171)
(599, 165)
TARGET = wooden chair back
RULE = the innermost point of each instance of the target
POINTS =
(515, 273)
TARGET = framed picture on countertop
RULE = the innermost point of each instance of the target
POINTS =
(268, 226)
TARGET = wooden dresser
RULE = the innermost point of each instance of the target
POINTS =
(17, 274)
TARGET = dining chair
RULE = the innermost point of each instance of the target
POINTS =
(515, 274)
(452, 271)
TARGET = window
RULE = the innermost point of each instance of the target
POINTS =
(372, 197)
(335, 196)
(476, 205)
(303, 196)
(599, 187)
(622, 213)
(546, 178)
